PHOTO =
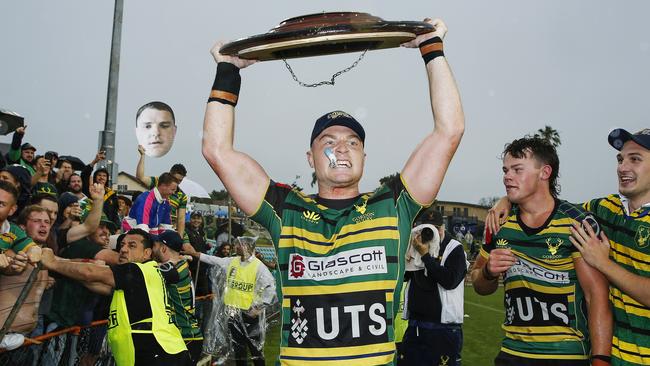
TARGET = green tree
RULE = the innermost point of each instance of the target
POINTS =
(549, 134)
(221, 195)
(388, 177)
(295, 183)
(488, 201)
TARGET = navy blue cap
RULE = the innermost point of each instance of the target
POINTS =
(27, 146)
(618, 137)
(171, 239)
(337, 118)
(21, 174)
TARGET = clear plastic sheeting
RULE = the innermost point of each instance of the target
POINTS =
(238, 331)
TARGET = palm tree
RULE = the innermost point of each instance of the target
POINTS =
(549, 134)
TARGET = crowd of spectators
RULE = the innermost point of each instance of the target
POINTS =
(48, 202)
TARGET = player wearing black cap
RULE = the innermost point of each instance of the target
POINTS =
(341, 311)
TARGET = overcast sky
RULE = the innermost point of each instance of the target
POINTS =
(582, 67)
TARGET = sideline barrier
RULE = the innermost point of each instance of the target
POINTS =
(76, 345)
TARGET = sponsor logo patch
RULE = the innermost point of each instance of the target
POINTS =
(502, 244)
(356, 262)
(311, 216)
(528, 269)
(338, 320)
(525, 307)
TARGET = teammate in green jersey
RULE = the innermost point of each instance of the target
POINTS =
(549, 289)
(622, 251)
(340, 252)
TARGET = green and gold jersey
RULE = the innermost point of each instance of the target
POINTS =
(629, 238)
(340, 272)
(181, 297)
(545, 306)
(14, 238)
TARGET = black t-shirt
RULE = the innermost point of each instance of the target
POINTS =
(129, 278)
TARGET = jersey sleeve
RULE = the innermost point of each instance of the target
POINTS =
(269, 213)
(22, 242)
(181, 197)
(407, 206)
(488, 244)
(169, 272)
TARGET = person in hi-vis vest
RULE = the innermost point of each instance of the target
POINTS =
(141, 329)
(250, 288)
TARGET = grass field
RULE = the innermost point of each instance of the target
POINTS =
(482, 330)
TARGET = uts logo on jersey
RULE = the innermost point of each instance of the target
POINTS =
(525, 308)
(310, 216)
(356, 262)
(338, 320)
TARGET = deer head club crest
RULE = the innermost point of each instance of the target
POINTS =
(444, 360)
(553, 247)
(362, 208)
(311, 216)
(502, 243)
(642, 236)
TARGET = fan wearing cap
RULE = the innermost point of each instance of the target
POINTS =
(19, 153)
(18, 176)
(166, 251)
(339, 223)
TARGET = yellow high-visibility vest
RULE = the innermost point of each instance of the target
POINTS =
(162, 324)
(400, 324)
(240, 283)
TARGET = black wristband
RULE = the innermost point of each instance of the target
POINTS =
(487, 275)
(226, 84)
(431, 48)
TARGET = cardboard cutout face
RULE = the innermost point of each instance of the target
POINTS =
(155, 130)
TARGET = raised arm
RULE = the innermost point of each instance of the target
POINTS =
(427, 165)
(139, 170)
(91, 223)
(242, 176)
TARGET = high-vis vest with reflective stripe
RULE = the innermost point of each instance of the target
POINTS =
(162, 326)
(240, 283)
(401, 324)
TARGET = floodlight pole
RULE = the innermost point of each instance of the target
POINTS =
(107, 137)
